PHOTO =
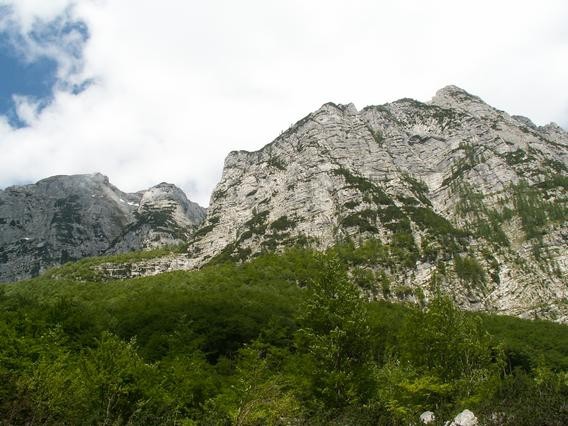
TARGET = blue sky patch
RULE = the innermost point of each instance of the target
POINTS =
(37, 78)
(27, 79)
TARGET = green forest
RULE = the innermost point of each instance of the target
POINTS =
(285, 339)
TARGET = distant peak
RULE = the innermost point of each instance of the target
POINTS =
(346, 108)
(451, 89)
(164, 189)
(524, 120)
(71, 179)
(553, 127)
(166, 185)
(100, 177)
(454, 93)
(455, 97)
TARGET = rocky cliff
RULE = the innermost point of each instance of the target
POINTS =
(65, 218)
(452, 195)
(460, 196)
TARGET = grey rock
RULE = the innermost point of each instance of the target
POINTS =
(465, 418)
(342, 174)
(427, 417)
(524, 120)
(66, 218)
(446, 185)
(164, 217)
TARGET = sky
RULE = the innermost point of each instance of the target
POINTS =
(145, 91)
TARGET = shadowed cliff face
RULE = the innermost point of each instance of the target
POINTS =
(65, 218)
(462, 196)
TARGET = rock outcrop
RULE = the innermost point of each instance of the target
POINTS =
(164, 217)
(66, 218)
(463, 197)
(465, 418)
(427, 417)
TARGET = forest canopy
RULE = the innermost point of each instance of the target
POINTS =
(283, 339)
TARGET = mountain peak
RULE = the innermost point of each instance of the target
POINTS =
(454, 94)
(345, 108)
(524, 120)
(93, 177)
(553, 127)
(165, 186)
(458, 99)
(66, 217)
(436, 173)
(451, 88)
(164, 192)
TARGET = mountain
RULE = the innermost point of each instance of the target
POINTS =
(456, 195)
(450, 196)
(66, 218)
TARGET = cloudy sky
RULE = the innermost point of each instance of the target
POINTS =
(146, 91)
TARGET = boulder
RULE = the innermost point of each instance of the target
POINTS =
(427, 417)
(465, 418)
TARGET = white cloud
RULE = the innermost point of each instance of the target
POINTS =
(27, 109)
(178, 84)
(28, 12)
(40, 29)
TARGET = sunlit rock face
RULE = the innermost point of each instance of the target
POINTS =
(66, 218)
(455, 196)
(463, 196)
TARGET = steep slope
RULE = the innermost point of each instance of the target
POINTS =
(452, 195)
(462, 197)
(164, 217)
(65, 218)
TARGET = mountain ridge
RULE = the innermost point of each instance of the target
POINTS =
(450, 195)
(64, 218)
(396, 170)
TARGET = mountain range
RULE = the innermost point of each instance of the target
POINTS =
(451, 195)
(66, 218)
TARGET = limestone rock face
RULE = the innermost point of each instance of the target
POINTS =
(451, 195)
(462, 196)
(65, 218)
(164, 217)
